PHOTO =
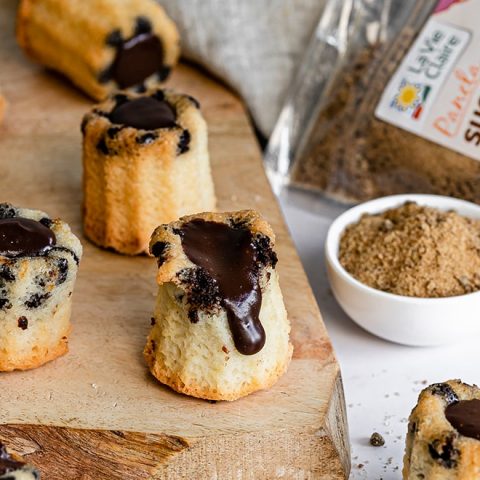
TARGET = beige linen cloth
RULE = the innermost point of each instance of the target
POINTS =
(252, 45)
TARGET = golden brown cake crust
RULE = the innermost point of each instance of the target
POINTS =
(200, 391)
(435, 450)
(136, 179)
(67, 36)
(40, 356)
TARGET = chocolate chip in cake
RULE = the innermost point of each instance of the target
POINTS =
(264, 251)
(102, 146)
(143, 25)
(23, 322)
(376, 440)
(114, 39)
(146, 138)
(112, 131)
(152, 321)
(7, 211)
(62, 265)
(159, 95)
(67, 250)
(163, 73)
(140, 88)
(195, 102)
(83, 125)
(47, 222)
(6, 273)
(158, 250)
(120, 99)
(5, 303)
(193, 316)
(202, 289)
(100, 113)
(444, 452)
(36, 300)
(184, 142)
(444, 390)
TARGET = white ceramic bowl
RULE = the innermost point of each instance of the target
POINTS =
(406, 320)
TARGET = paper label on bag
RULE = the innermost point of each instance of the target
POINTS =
(435, 92)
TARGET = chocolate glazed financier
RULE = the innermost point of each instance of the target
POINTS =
(443, 440)
(220, 329)
(100, 45)
(145, 162)
(38, 266)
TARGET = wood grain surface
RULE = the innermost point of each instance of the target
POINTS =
(96, 413)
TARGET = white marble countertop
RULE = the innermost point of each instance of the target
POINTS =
(381, 379)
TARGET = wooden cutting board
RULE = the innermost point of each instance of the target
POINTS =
(96, 413)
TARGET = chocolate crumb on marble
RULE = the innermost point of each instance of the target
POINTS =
(376, 440)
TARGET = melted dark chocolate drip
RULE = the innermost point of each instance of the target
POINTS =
(137, 59)
(465, 417)
(144, 113)
(229, 257)
(7, 464)
(24, 237)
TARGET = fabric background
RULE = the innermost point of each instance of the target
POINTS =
(252, 45)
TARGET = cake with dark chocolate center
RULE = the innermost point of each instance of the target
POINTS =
(443, 440)
(100, 45)
(219, 299)
(38, 265)
(146, 162)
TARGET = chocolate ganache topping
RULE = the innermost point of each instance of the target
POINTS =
(24, 237)
(230, 258)
(465, 417)
(144, 113)
(7, 464)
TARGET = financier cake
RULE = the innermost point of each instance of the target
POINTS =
(38, 265)
(100, 45)
(145, 162)
(443, 440)
(13, 467)
(220, 329)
